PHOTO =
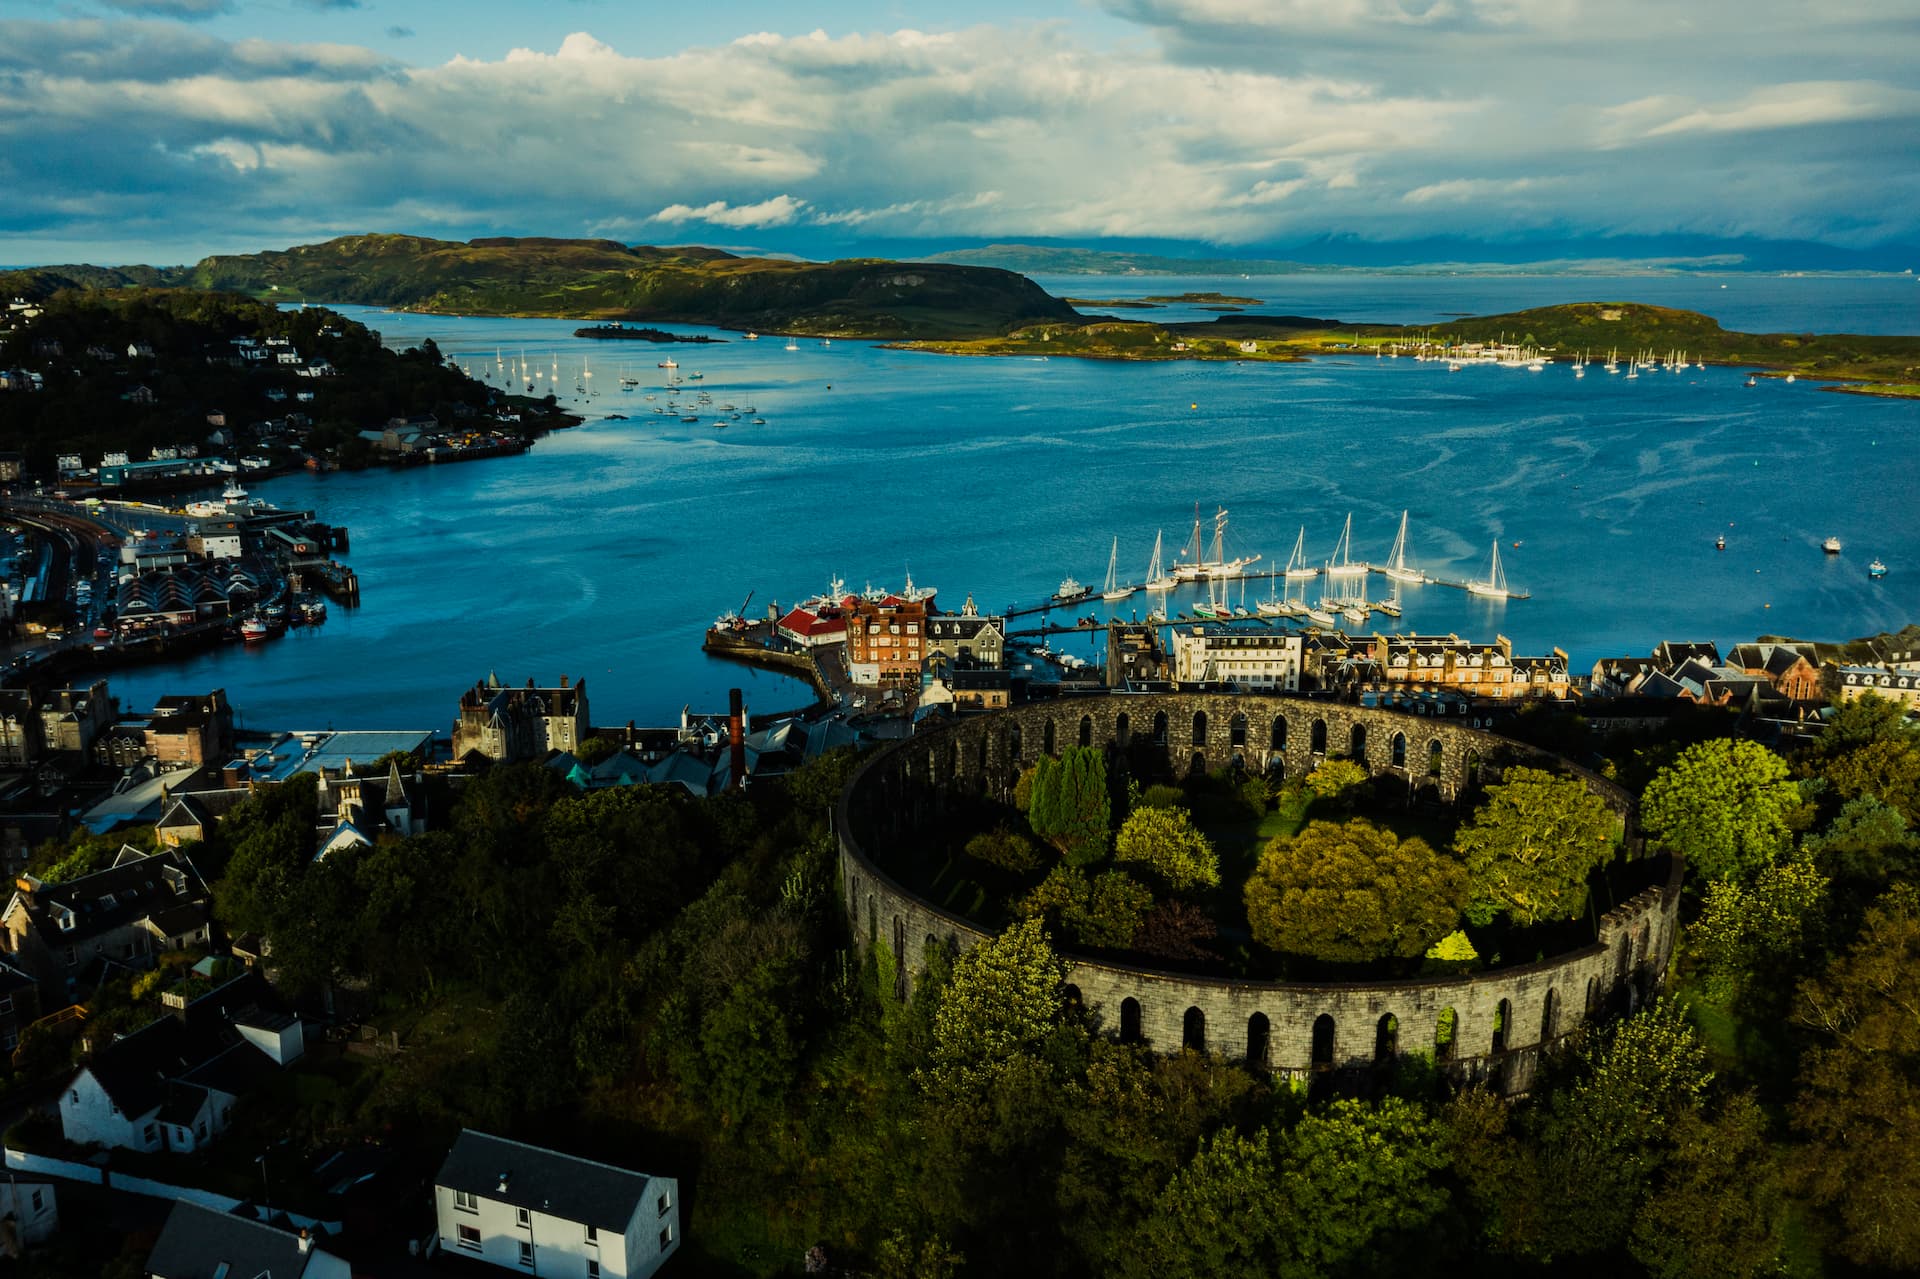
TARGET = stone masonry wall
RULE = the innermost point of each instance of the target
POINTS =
(1306, 1028)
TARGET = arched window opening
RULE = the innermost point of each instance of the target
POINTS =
(1399, 750)
(1122, 731)
(1237, 730)
(1070, 994)
(1276, 768)
(1160, 729)
(1502, 1024)
(1259, 1033)
(1323, 1042)
(1446, 1033)
(1193, 1030)
(1197, 766)
(1436, 758)
(1086, 730)
(1386, 1039)
(1589, 1004)
(1550, 1018)
(1130, 1020)
(1317, 739)
(1046, 737)
(1357, 742)
(1279, 740)
(1199, 728)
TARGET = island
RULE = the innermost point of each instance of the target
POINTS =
(606, 280)
(618, 332)
(1867, 364)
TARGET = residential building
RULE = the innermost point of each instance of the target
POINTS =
(140, 906)
(543, 1213)
(1850, 683)
(71, 718)
(1791, 669)
(813, 627)
(508, 724)
(1487, 672)
(19, 1004)
(29, 1214)
(19, 728)
(199, 1243)
(885, 639)
(1135, 655)
(196, 729)
(10, 467)
(173, 1084)
(980, 690)
(1215, 654)
(970, 640)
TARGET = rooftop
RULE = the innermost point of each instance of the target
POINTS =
(547, 1181)
(290, 754)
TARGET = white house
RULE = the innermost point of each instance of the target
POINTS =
(556, 1216)
(172, 1085)
(28, 1215)
(199, 1243)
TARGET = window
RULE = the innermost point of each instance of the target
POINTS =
(526, 1252)
(6, 1003)
(73, 956)
(666, 1202)
(666, 1238)
(38, 1202)
(523, 1216)
(201, 1129)
(152, 1134)
(593, 1269)
(593, 1234)
(470, 1238)
(466, 1201)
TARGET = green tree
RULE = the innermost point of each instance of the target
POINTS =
(1719, 1211)
(1339, 1193)
(1752, 938)
(1866, 843)
(1352, 893)
(1000, 1006)
(1105, 910)
(1007, 849)
(1070, 805)
(1337, 781)
(1165, 841)
(1531, 847)
(1725, 804)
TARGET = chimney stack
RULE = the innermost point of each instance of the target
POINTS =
(737, 738)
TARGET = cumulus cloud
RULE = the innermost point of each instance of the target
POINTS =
(780, 210)
(1383, 119)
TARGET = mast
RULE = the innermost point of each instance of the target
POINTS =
(1397, 559)
(1113, 566)
(1153, 569)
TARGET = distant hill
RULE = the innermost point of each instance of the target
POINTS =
(1035, 259)
(607, 280)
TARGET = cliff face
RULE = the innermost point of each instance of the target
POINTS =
(603, 279)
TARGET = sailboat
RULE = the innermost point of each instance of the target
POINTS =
(1297, 566)
(1494, 585)
(1390, 605)
(1158, 579)
(1342, 564)
(1113, 590)
(1397, 568)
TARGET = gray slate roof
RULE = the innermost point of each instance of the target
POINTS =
(581, 1190)
(196, 1241)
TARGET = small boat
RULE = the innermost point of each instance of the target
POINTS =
(1397, 569)
(759, 421)
(793, 346)
(1297, 566)
(1831, 546)
(253, 630)
(1071, 592)
(1752, 381)
(1390, 607)
(1158, 579)
(690, 417)
(1875, 569)
(752, 336)
(1342, 564)
(668, 363)
(1720, 543)
(696, 377)
(314, 610)
(1319, 617)
(722, 422)
(1206, 610)
(1790, 377)
(1355, 613)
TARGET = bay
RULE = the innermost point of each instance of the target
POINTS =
(606, 551)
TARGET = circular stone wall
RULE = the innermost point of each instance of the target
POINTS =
(1292, 1028)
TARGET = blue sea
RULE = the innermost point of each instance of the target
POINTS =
(606, 551)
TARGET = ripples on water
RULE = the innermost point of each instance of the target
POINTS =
(606, 551)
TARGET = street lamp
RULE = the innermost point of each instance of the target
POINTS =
(266, 1192)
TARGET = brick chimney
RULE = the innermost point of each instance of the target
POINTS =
(737, 738)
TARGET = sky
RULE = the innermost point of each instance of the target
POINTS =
(1781, 132)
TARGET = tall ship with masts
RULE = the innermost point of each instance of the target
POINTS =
(1208, 562)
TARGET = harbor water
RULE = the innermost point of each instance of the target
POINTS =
(606, 551)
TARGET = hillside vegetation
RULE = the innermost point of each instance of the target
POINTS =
(1889, 364)
(607, 280)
